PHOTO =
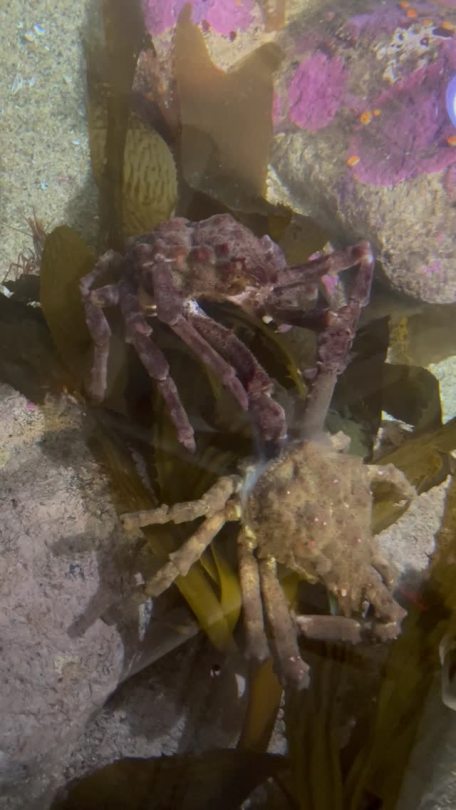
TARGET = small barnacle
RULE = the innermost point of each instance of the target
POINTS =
(353, 160)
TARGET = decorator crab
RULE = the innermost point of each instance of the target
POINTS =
(169, 273)
(310, 510)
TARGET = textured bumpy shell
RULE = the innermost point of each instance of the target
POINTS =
(311, 511)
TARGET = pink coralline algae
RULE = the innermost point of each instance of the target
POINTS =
(409, 136)
(223, 16)
(315, 92)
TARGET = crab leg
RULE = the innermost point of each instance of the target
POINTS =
(331, 264)
(216, 505)
(181, 561)
(189, 553)
(292, 668)
(334, 342)
(330, 628)
(345, 629)
(94, 301)
(214, 500)
(109, 260)
(170, 306)
(269, 415)
(138, 332)
(386, 608)
(226, 373)
(249, 576)
(100, 332)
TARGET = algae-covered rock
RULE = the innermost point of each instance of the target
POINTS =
(362, 139)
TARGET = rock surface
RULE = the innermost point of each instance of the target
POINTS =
(45, 168)
(362, 141)
(60, 660)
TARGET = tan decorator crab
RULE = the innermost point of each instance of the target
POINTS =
(310, 510)
(310, 507)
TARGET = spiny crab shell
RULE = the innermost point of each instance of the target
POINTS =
(310, 510)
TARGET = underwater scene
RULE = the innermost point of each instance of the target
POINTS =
(228, 405)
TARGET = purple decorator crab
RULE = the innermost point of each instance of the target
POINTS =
(169, 273)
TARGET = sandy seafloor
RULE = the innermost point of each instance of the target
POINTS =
(45, 170)
(44, 157)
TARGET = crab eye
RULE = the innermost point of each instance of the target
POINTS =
(450, 98)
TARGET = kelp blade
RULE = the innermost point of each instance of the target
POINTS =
(226, 118)
(149, 178)
(112, 54)
(222, 779)
(66, 259)
(426, 461)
